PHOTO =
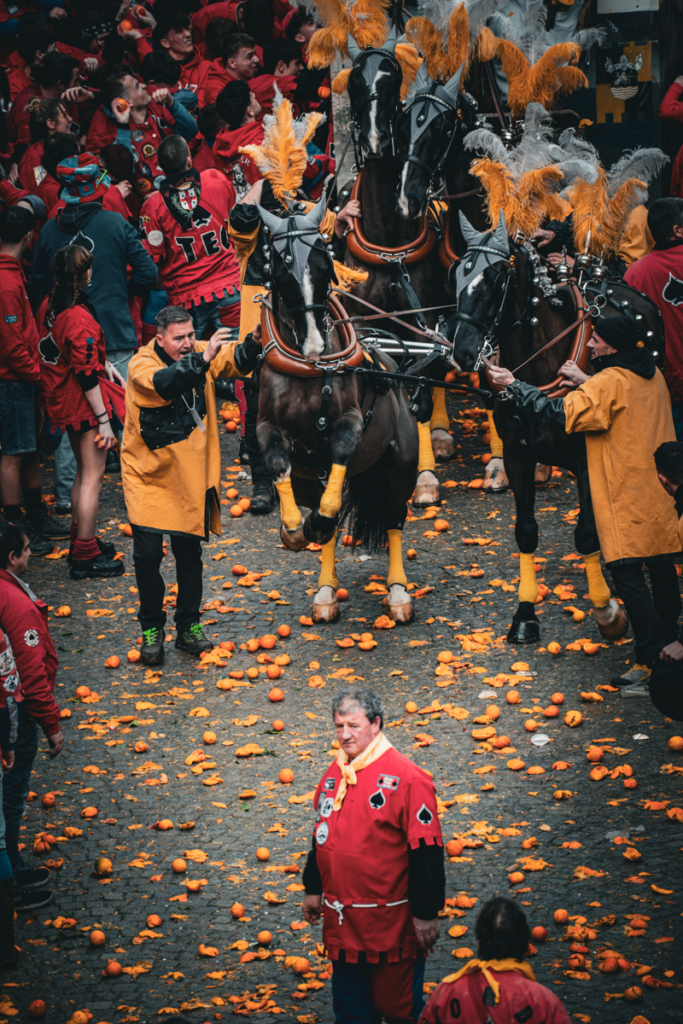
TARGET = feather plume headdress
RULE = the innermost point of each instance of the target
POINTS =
(602, 206)
(536, 71)
(524, 182)
(365, 21)
(446, 34)
(282, 156)
(406, 55)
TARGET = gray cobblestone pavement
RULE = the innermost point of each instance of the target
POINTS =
(201, 960)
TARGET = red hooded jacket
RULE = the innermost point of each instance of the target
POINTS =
(263, 89)
(217, 77)
(660, 276)
(671, 109)
(240, 168)
(18, 331)
(25, 623)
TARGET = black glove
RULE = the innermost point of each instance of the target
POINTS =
(246, 355)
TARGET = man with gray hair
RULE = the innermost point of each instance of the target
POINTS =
(171, 466)
(376, 868)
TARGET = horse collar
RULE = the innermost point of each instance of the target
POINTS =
(281, 358)
(381, 255)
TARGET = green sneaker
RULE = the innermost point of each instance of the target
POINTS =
(193, 641)
(152, 650)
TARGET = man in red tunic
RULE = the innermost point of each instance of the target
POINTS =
(498, 986)
(376, 869)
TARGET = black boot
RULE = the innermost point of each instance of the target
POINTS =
(38, 545)
(193, 641)
(40, 520)
(9, 957)
(107, 550)
(262, 498)
(95, 568)
(244, 453)
(152, 650)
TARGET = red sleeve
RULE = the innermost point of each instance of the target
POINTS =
(153, 236)
(10, 194)
(115, 203)
(35, 658)
(142, 45)
(82, 331)
(14, 352)
(48, 191)
(420, 812)
(672, 106)
(102, 131)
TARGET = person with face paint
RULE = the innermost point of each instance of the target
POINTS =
(624, 411)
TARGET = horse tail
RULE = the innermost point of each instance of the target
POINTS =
(369, 508)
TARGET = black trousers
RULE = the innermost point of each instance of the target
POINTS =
(259, 473)
(653, 616)
(147, 554)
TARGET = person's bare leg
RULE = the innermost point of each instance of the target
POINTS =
(91, 472)
(10, 480)
(74, 440)
(30, 471)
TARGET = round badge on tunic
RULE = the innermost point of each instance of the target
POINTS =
(155, 238)
(148, 150)
(143, 186)
(322, 833)
(137, 135)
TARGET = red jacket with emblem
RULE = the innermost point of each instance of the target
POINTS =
(240, 168)
(461, 1002)
(18, 331)
(25, 623)
(660, 276)
(362, 853)
(263, 89)
(74, 344)
(198, 261)
(145, 139)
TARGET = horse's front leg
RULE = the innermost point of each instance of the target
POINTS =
(610, 617)
(275, 455)
(520, 470)
(320, 526)
(443, 445)
(427, 491)
(325, 602)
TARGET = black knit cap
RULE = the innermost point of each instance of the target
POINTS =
(622, 332)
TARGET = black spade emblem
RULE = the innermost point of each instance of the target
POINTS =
(424, 815)
(49, 352)
(673, 291)
(84, 241)
(377, 800)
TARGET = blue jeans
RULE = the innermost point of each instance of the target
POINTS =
(206, 315)
(120, 358)
(17, 417)
(365, 993)
(65, 471)
(16, 785)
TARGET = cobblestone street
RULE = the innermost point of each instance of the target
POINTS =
(138, 784)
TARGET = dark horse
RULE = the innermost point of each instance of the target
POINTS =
(508, 304)
(319, 425)
(399, 257)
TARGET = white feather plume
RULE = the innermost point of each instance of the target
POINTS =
(644, 164)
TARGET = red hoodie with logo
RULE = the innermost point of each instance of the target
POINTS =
(240, 168)
(660, 276)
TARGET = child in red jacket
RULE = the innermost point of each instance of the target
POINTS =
(81, 397)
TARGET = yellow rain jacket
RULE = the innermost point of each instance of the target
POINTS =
(625, 418)
(171, 469)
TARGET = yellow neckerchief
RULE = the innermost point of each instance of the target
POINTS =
(486, 966)
(379, 746)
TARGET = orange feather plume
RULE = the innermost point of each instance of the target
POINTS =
(282, 156)
(443, 58)
(366, 22)
(552, 75)
(599, 219)
(527, 202)
(406, 55)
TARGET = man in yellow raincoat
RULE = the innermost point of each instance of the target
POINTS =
(171, 466)
(624, 410)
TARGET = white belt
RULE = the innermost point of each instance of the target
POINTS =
(339, 907)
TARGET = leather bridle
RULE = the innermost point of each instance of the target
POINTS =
(360, 64)
(428, 98)
(490, 330)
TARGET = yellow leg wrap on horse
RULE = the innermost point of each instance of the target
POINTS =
(328, 572)
(426, 460)
(496, 443)
(439, 420)
(396, 572)
(528, 587)
(330, 503)
(598, 590)
(289, 510)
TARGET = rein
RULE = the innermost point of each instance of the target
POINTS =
(430, 335)
(585, 315)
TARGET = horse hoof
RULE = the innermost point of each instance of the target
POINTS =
(526, 631)
(442, 445)
(612, 620)
(495, 477)
(426, 490)
(319, 529)
(399, 605)
(294, 540)
(542, 473)
(325, 606)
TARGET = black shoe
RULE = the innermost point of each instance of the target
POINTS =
(39, 545)
(113, 462)
(95, 568)
(62, 510)
(30, 899)
(107, 550)
(262, 499)
(8, 952)
(193, 641)
(32, 878)
(244, 453)
(152, 650)
(45, 526)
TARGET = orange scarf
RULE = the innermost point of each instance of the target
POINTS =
(486, 966)
(348, 769)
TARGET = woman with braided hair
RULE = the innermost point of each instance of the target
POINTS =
(81, 397)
